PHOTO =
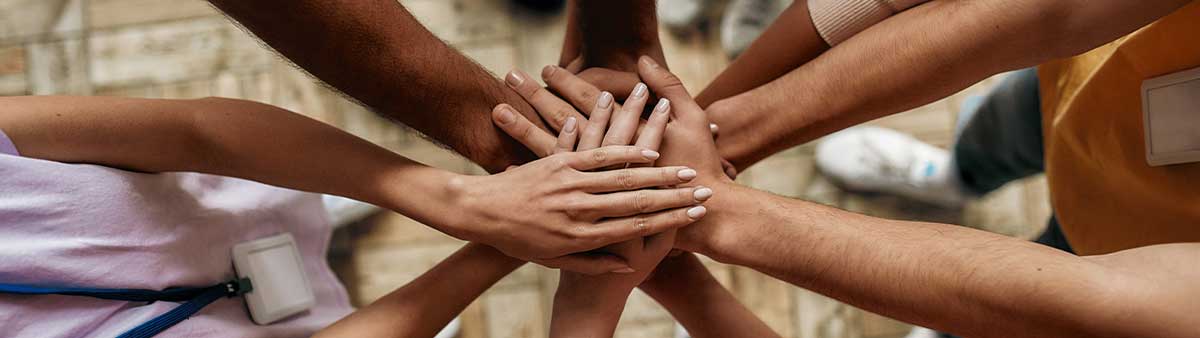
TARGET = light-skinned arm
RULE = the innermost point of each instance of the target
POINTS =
(955, 279)
(540, 211)
(424, 306)
(916, 57)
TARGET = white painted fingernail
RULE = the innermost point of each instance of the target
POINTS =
(697, 212)
(686, 174)
(702, 194)
(639, 90)
(624, 270)
(713, 128)
(650, 154)
(605, 100)
(662, 105)
(569, 126)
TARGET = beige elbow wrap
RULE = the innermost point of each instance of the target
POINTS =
(838, 20)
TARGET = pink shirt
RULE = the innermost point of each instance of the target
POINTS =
(94, 226)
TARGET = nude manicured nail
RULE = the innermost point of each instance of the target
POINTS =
(506, 116)
(624, 270)
(701, 195)
(650, 154)
(639, 90)
(605, 100)
(569, 126)
(514, 79)
(712, 127)
(686, 174)
(548, 71)
(662, 106)
(697, 212)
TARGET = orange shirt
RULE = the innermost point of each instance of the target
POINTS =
(1104, 194)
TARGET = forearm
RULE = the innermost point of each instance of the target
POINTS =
(587, 306)
(952, 278)
(789, 42)
(613, 34)
(223, 137)
(705, 308)
(376, 52)
(424, 306)
(914, 58)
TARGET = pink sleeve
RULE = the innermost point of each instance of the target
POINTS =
(6, 145)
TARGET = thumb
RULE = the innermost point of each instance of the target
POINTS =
(588, 263)
(665, 84)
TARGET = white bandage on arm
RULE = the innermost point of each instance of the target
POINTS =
(838, 20)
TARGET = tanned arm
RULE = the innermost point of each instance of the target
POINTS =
(916, 57)
(376, 52)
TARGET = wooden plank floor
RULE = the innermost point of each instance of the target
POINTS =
(183, 48)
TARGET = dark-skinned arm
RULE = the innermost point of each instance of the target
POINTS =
(376, 52)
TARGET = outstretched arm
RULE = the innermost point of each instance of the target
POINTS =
(538, 212)
(952, 278)
(424, 306)
(605, 38)
(705, 308)
(376, 52)
(914, 58)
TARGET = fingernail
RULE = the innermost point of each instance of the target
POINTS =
(624, 270)
(662, 105)
(507, 116)
(712, 127)
(650, 154)
(569, 126)
(514, 79)
(605, 101)
(548, 71)
(697, 212)
(639, 90)
(701, 195)
(648, 61)
(686, 174)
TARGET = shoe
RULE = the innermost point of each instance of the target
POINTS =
(873, 159)
(920, 332)
(744, 21)
(681, 15)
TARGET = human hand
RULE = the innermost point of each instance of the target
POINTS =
(545, 210)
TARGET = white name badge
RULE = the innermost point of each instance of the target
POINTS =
(1171, 116)
(280, 286)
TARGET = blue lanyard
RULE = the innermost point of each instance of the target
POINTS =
(193, 300)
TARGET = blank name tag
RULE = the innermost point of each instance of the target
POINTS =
(1171, 109)
(273, 265)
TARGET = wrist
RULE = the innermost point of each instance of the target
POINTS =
(751, 127)
(731, 211)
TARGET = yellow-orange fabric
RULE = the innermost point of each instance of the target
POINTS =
(1104, 194)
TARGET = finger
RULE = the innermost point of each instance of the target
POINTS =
(667, 85)
(566, 138)
(624, 121)
(537, 140)
(553, 110)
(612, 155)
(579, 93)
(730, 170)
(589, 263)
(635, 178)
(652, 132)
(614, 81)
(629, 203)
(593, 132)
(627, 228)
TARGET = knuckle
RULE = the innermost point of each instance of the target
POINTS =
(641, 201)
(625, 179)
(561, 115)
(599, 156)
(641, 225)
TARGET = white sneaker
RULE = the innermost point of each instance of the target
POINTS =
(873, 159)
(744, 21)
(920, 332)
(681, 14)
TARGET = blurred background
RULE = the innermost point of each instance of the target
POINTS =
(186, 49)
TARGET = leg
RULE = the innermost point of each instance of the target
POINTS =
(1001, 137)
